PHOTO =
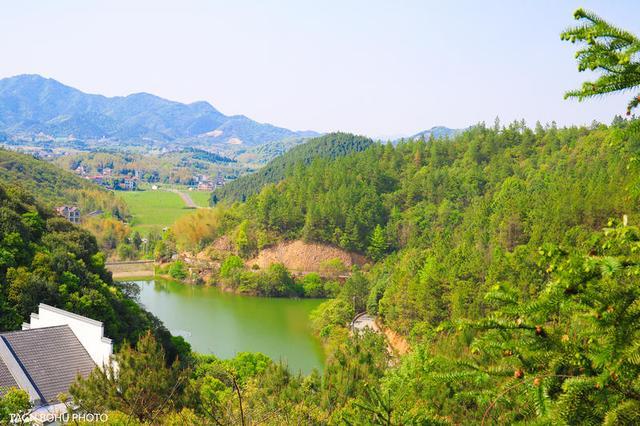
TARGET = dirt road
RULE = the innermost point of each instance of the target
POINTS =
(188, 201)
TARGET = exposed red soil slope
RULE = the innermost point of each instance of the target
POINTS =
(301, 257)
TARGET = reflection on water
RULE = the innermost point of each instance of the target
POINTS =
(224, 324)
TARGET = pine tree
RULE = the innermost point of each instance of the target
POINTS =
(610, 50)
(378, 244)
(139, 383)
(13, 402)
(573, 353)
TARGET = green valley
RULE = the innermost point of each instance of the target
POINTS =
(473, 275)
(153, 209)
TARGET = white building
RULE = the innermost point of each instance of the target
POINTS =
(48, 354)
(88, 331)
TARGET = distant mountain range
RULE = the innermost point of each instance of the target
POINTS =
(34, 106)
(437, 132)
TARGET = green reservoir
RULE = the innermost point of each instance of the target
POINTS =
(223, 324)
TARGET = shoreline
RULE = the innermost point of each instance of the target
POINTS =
(124, 276)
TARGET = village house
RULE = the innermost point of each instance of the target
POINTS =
(206, 186)
(47, 355)
(128, 184)
(71, 213)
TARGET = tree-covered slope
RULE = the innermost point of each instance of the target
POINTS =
(46, 259)
(454, 217)
(333, 145)
(53, 186)
(506, 262)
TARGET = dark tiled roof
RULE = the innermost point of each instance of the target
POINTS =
(6, 379)
(52, 357)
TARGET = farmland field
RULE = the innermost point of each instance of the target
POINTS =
(154, 209)
(201, 198)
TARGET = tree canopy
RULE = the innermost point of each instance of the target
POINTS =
(332, 145)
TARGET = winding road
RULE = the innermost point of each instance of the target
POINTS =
(363, 321)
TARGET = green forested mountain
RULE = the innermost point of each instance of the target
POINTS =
(46, 259)
(513, 185)
(328, 146)
(508, 258)
(53, 186)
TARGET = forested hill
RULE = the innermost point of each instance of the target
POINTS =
(53, 186)
(500, 254)
(331, 146)
(507, 257)
(46, 259)
(529, 183)
(456, 216)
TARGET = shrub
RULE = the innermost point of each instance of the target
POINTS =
(15, 401)
(178, 270)
(277, 281)
(313, 286)
(332, 288)
(336, 312)
(333, 267)
(230, 265)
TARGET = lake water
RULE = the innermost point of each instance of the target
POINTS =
(224, 324)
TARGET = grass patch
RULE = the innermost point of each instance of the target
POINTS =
(201, 198)
(154, 209)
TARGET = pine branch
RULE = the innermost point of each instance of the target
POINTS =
(609, 49)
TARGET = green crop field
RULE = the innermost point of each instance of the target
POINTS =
(154, 209)
(201, 198)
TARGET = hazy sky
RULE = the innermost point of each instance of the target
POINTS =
(371, 67)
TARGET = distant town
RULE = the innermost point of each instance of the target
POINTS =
(130, 182)
(124, 179)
